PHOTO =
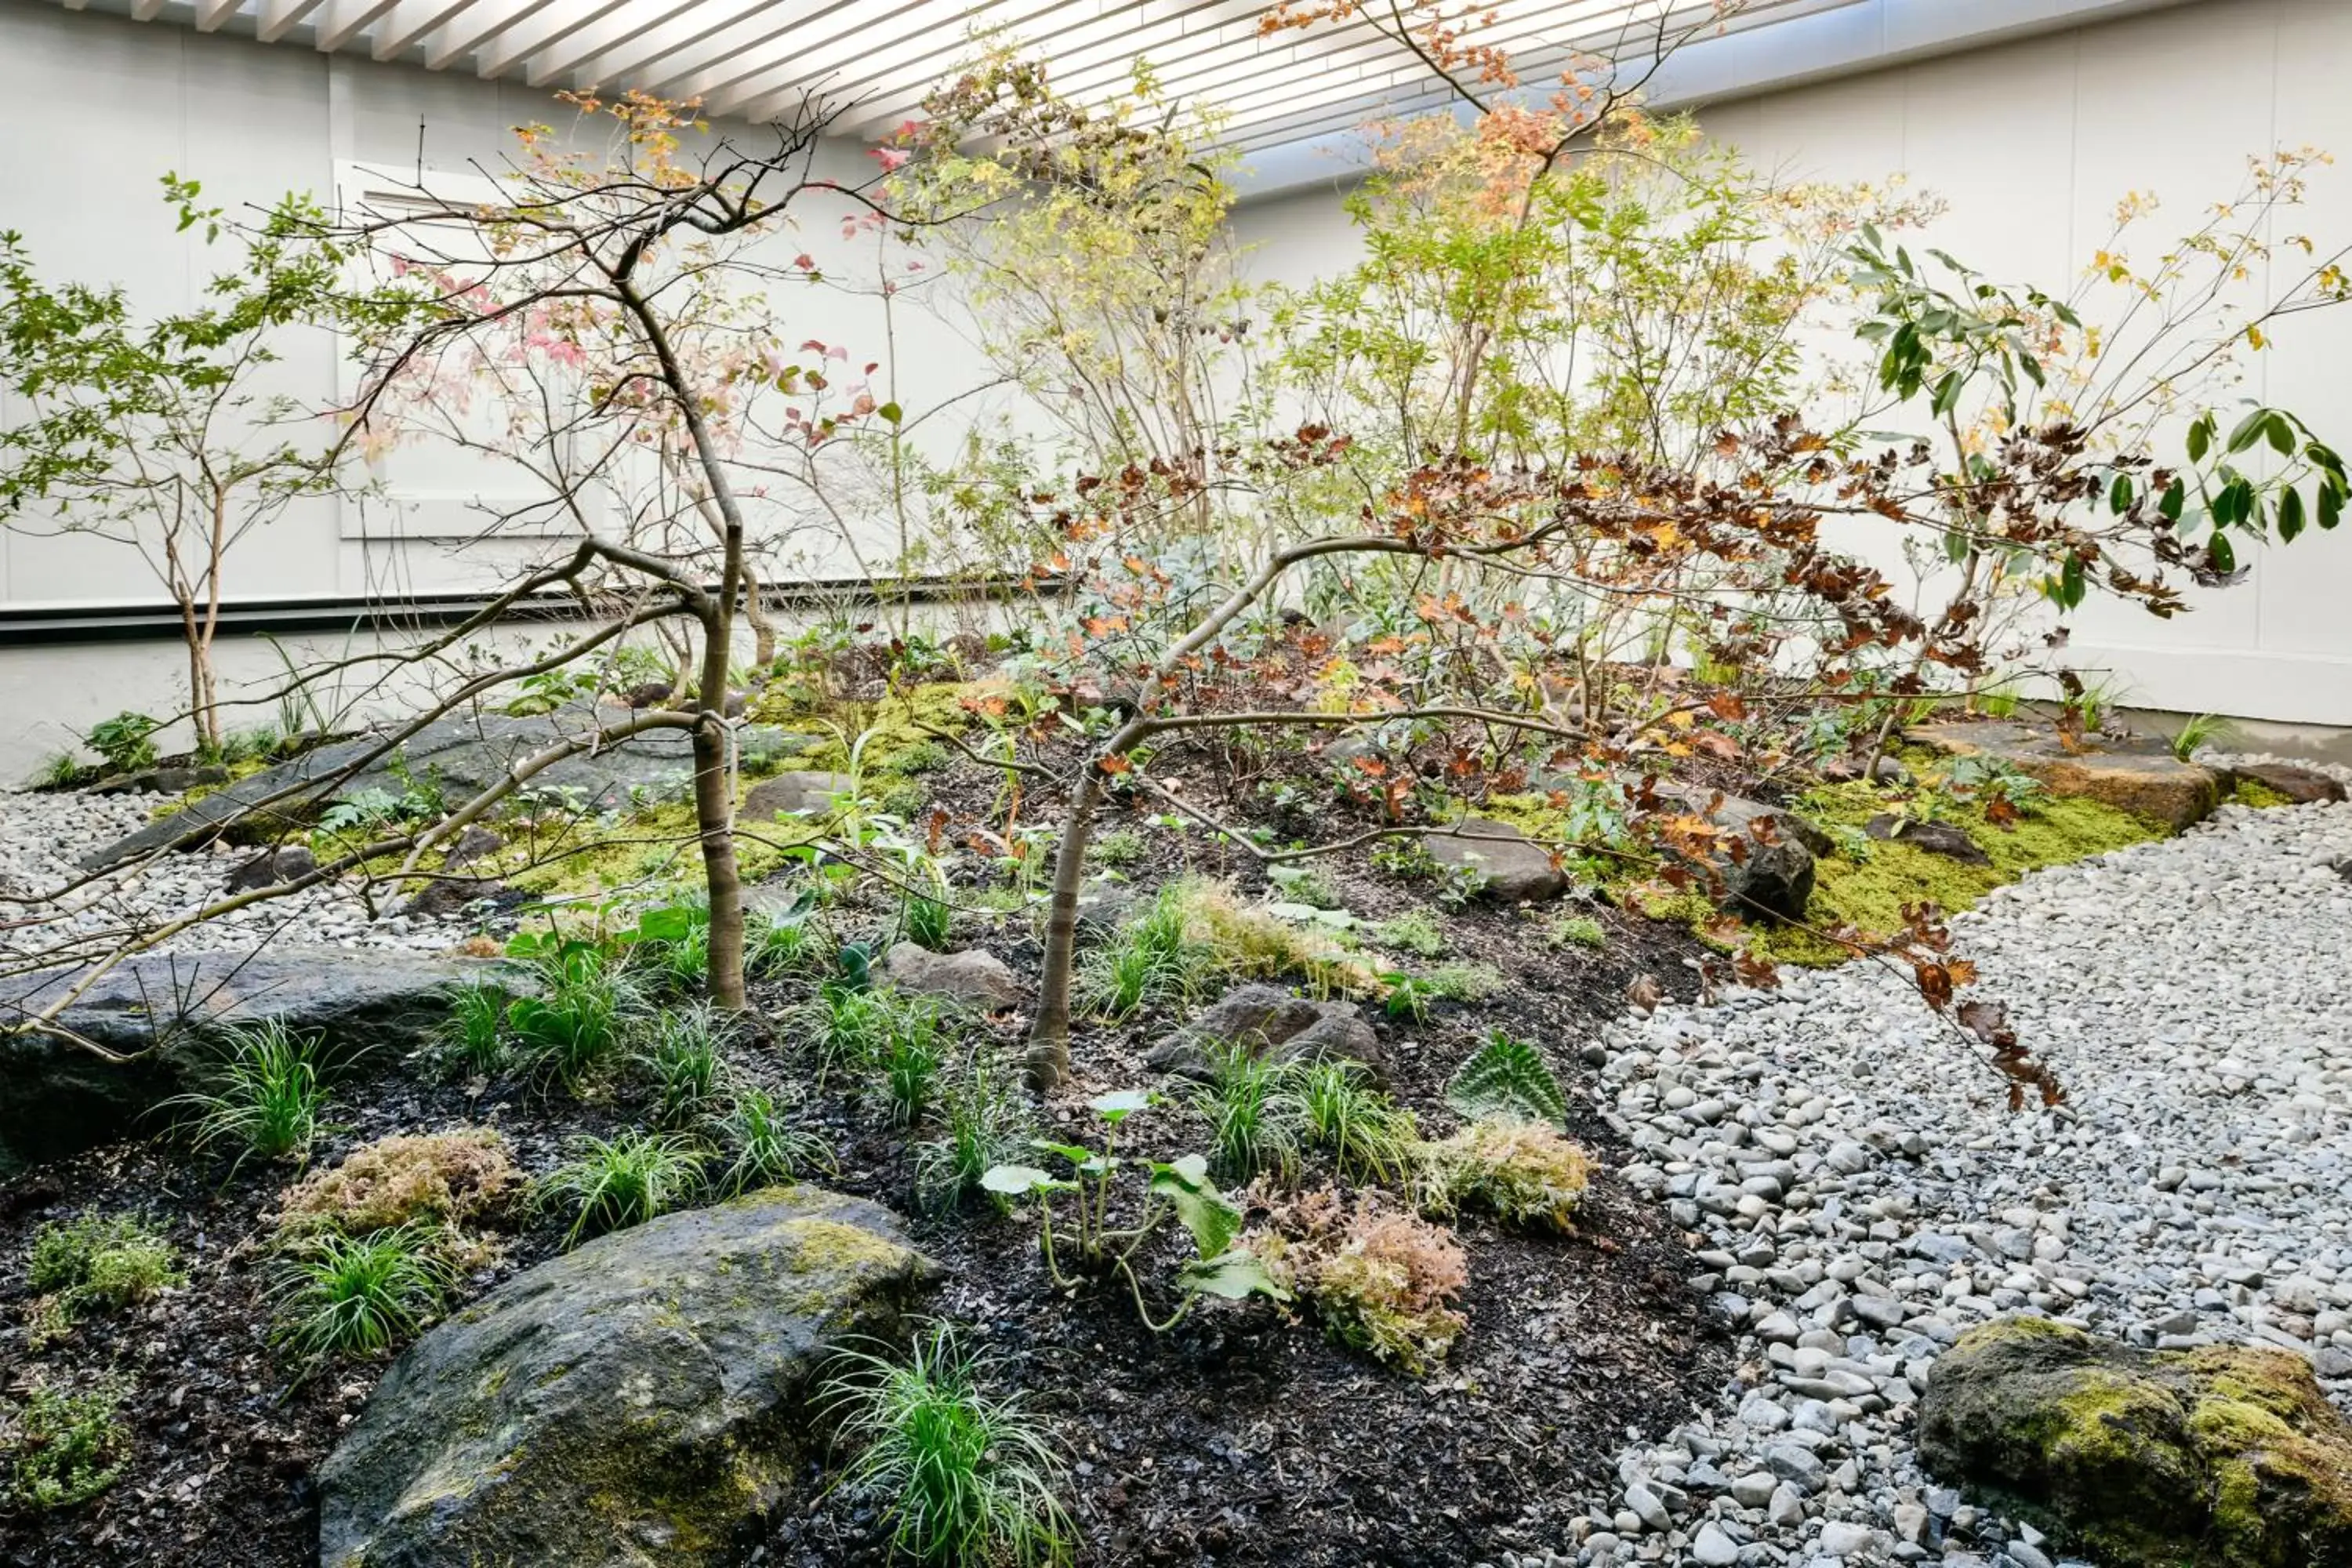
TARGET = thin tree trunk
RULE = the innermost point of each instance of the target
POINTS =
(1049, 1038)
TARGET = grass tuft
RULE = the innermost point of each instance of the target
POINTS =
(769, 1150)
(345, 1296)
(264, 1098)
(962, 1475)
(612, 1183)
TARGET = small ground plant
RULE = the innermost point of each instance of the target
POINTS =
(579, 1023)
(1253, 1107)
(1090, 1246)
(1415, 932)
(612, 1183)
(95, 1263)
(64, 1449)
(344, 1295)
(471, 1041)
(682, 1064)
(1367, 1134)
(1525, 1173)
(1506, 1078)
(435, 1178)
(1577, 930)
(982, 1125)
(262, 1099)
(1383, 1281)
(964, 1477)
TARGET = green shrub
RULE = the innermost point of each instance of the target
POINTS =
(962, 1477)
(1524, 1172)
(127, 741)
(339, 1295)
(101, 1262)
(262, 1096)
(613, 1183)
(768, 1149)
(1119, 850)
(1464, 981)
(63, 1449)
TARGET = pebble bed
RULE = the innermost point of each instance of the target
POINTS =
(1863, 1195)
(44, 838)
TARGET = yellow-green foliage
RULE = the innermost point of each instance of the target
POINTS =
(1524, 1172)
(1248, 943)
(2254, 792)
(1383, 1281)
(440, 1176)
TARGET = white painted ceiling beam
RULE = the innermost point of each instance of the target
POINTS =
(344, 20)
(278, 17)
(211, 14)
(410, 20)
(916, 56)
(476, 30)
(553, 24)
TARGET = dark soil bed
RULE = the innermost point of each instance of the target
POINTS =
(1241, 1437)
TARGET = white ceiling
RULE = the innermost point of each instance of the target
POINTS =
(1284, 91)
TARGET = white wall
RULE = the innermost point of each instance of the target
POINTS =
(2032, 143)
(101, 106)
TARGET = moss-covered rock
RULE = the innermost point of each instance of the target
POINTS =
(2139, 776)
(640, 1401)
(2222, 1457)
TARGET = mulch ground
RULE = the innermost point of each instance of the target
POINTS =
(1240, 1437)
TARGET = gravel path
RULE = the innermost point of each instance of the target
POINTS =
(43, 838)
(1865, 1194)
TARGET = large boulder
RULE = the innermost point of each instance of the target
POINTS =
(459, 756)
(163, 1011)
(2222, 1457)
(2140, 776)
(1268, 1021)
(642, 1401)
(1504, 863)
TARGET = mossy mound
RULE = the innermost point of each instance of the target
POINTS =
(2221, 1457)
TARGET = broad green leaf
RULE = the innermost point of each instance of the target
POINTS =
(2249, 430)
(1016, 1181)
(2200, 437)
(1118, 1107)
(1075, 1153)
(1231, 1275)
(2290, 514)
(1212, 1219)
(2119, 495)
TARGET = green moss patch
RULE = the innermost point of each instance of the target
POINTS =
(2254, 792)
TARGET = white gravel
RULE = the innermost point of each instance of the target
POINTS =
(43, 838)
(1864, 1193)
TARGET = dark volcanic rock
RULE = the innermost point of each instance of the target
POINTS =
(164, 1011)
(1510, 868)
(1936, 837)
(2222, 1457)
(642, 1400)
(1269, 1021)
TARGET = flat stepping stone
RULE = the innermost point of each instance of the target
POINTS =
(2304, 786)
(2136, 775)
(1509, 866)
(816, 792)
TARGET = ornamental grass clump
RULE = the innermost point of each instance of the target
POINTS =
(612, 1183)
(343, 1296)
(963, 1476)
(1525, 1173)
(767, 1150)
(1382, 1280)
(262, 1096)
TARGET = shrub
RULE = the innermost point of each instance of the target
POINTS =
(441, 1177)
(1368, 1137)
(263, 1096)
(962, 1475)
(340, 1295)
(613, 1183)
(63, 1449)
(1523, 1173)
(1506, 1078)
(1379, 1279)
(471, 1041)
(1577, 930)
(986, 1124)
(572, 1030)
(97, 1261)
(1252, 1110)
(127, 741)
(1245, 943)
(683, 1064)
(768, 1151)
(1415, 932)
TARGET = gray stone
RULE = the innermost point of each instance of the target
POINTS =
(1507, 866)
(1841, 1538)
(1648, 1508)
(1764, 854)
(1269, 1021)
(166, 1011)
(1754, 1489)
(272, 866)
(1714, 1548)
(974, 977)
(1936, 837)
(815, 793)
(2136, 776)
(460, 755)
(644, 1399)
(2305, 786)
